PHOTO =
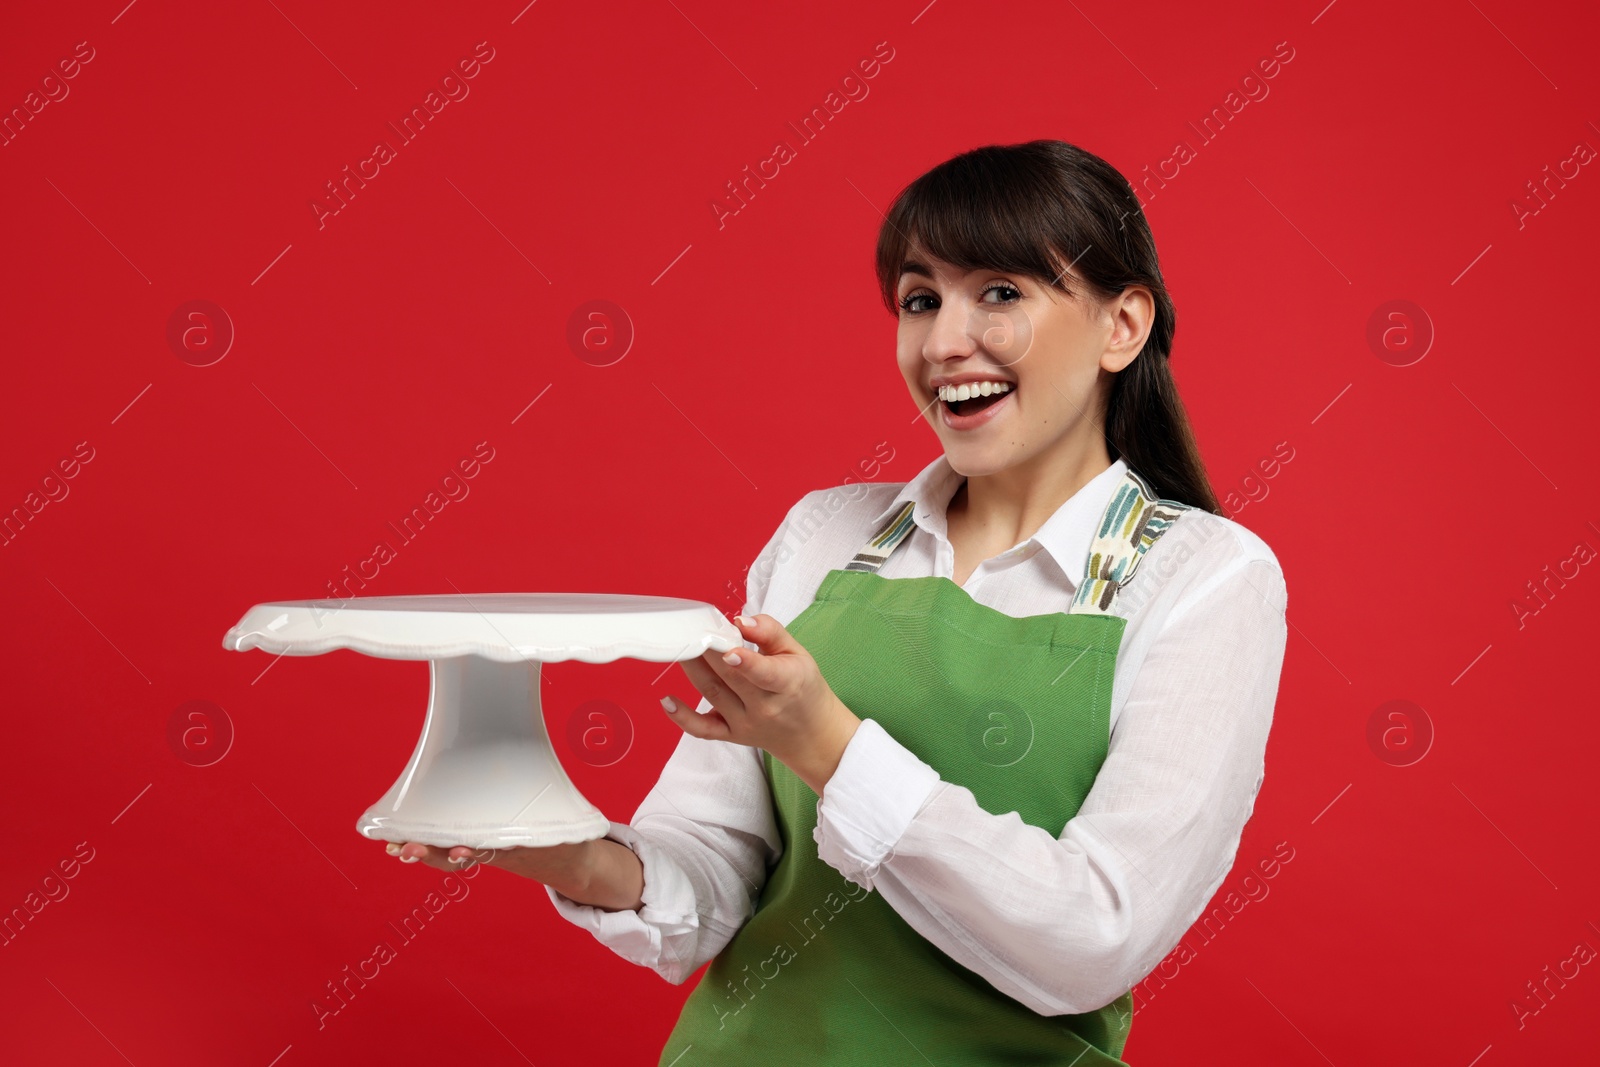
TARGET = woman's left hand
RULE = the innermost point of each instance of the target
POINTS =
(774, 699)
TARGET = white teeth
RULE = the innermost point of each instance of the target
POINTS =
(967, 392)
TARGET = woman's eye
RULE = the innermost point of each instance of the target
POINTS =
(910, 303)
(1010, 292)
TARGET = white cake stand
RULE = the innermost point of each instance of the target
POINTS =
(484, 773)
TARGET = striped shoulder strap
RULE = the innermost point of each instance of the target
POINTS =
(1130, 524)
(1132, 521)
(883, 543)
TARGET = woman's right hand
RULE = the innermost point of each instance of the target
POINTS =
(601, 872)
(556, 865)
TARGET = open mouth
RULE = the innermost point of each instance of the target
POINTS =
(976, 403)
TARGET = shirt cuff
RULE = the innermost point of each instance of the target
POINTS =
(877, 790)
(668, 909)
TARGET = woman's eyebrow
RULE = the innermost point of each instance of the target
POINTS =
(911, 266)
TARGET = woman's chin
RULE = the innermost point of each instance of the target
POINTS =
(975, 460)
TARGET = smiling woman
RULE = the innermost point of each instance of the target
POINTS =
(1067, 291)
(945, 700)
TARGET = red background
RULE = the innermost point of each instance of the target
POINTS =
(374, 352)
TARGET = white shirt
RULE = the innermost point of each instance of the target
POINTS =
(1064, 925)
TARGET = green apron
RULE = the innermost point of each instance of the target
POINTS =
(1015, 709)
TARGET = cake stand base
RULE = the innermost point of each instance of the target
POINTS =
(484, 773)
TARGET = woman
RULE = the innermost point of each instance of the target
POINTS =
(1025, 696)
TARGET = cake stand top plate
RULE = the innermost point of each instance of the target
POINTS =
(507, 627)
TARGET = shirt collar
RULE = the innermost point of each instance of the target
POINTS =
(1066, 535)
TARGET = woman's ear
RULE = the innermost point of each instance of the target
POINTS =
(1129, 315)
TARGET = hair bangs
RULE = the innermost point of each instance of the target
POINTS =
(974, 213)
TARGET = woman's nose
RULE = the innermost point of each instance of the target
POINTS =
(951, 336)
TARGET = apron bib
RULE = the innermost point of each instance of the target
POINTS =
(1015, 709)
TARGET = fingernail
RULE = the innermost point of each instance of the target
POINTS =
(666, 703)
(392, 848)
(408, 859)
(744, 620)
(732, 659)
(459, 859)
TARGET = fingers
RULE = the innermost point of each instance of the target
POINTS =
(453, 858)
(710, 675)
(768, 670)
(727, 679)
(431, 855)
(711, 726)
(768, 633)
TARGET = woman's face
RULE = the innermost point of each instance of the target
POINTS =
(1047, 358)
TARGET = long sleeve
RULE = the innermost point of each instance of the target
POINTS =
(1066, 925)
(706, 836)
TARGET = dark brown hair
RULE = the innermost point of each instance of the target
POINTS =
(1031, 209)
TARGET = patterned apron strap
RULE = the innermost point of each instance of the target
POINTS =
(1132, 521)
(883, 543)
(1130, 524)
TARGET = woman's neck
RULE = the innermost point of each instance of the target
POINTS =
(992, 512)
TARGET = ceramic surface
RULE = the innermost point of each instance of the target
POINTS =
(484, 772)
